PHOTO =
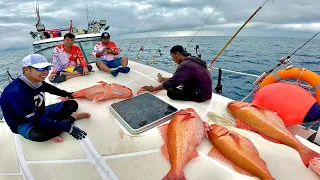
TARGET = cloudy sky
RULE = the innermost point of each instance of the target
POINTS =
(282, 18)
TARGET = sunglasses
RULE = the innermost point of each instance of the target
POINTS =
(48, 68)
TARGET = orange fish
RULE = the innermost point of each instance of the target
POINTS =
(269, 125)
(182, 136)
(142, 91)
(103, 91)
(238, 151)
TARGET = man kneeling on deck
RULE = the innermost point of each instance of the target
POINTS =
(65, 61)
(24, 110)
(106, 53)
(192, 74)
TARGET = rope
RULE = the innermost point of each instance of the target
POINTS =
(236, 72)
(204, 23)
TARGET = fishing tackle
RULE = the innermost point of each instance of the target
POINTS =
(220, 52)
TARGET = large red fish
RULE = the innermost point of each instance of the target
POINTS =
(269, 125)
(238, 151)
(182, 136)
(103, 91)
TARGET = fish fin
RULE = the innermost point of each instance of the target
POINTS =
(206, 128)
(216, 154)
(164, 132)
(193, 155)
(263, 108)
(102, 82)
(306, 157)
(315, 165)
(241, 171)
(271, 139)
(97, 98)
(187, 117)
(177, 174)
(242, 125)
(236, 138)
(165, 152)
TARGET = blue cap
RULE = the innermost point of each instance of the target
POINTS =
(35, 60)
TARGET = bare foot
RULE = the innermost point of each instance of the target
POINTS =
(57, 139)
(159, 78)
(80, 115)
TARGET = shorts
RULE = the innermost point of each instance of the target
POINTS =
(112, 64)
(58, 79)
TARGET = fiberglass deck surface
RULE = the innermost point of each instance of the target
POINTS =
(109, 152)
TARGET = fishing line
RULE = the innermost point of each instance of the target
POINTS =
(220, 52)
(126, 36)
(137, 56)
(304, 44)
(203, 24)
(134, 38)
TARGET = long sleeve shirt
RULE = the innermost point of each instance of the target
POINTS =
(62, 59)
(21, 103)
(193, 74)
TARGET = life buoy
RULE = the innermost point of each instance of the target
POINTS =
(310, 77)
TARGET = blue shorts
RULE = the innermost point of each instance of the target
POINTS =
(114, 63)
(51, 112)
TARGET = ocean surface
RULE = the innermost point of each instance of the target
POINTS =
(252, 55)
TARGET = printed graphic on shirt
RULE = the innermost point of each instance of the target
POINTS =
(100, 46)
(62, 59)
(39, 100)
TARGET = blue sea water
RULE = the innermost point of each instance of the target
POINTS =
(252, 55)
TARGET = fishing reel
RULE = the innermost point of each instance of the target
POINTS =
(286, 61)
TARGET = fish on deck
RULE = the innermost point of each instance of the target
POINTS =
(238, 151)
(270, 126)
(103, 91)
(182, 136)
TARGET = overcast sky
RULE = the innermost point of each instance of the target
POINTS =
(283, 18)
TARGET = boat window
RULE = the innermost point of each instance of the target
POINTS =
(87, 47)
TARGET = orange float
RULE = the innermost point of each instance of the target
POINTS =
(295, 73)
(290, 101)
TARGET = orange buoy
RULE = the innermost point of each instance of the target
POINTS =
(290, 101)
(297, 73)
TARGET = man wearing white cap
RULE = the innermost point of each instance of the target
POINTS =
(24, 110)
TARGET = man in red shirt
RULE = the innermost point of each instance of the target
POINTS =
(65, 61)
(107, 53)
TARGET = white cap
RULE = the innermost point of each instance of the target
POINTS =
(35, 60)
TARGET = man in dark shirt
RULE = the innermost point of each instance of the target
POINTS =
(192, 74)
(24, 110)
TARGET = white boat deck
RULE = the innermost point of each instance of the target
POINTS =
(109, 152)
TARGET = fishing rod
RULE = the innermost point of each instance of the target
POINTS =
(282, 61)
(134, 38)
(126, 35)
(220, 52)
(141, 48)
(159, 49)
(202, 26)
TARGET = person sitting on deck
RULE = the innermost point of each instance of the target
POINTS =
(24, 110)
(192, 74)
(106, 53)
(65, 61)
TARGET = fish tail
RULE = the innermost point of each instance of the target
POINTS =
(175, 175)
(78, 94)
(307, 156)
